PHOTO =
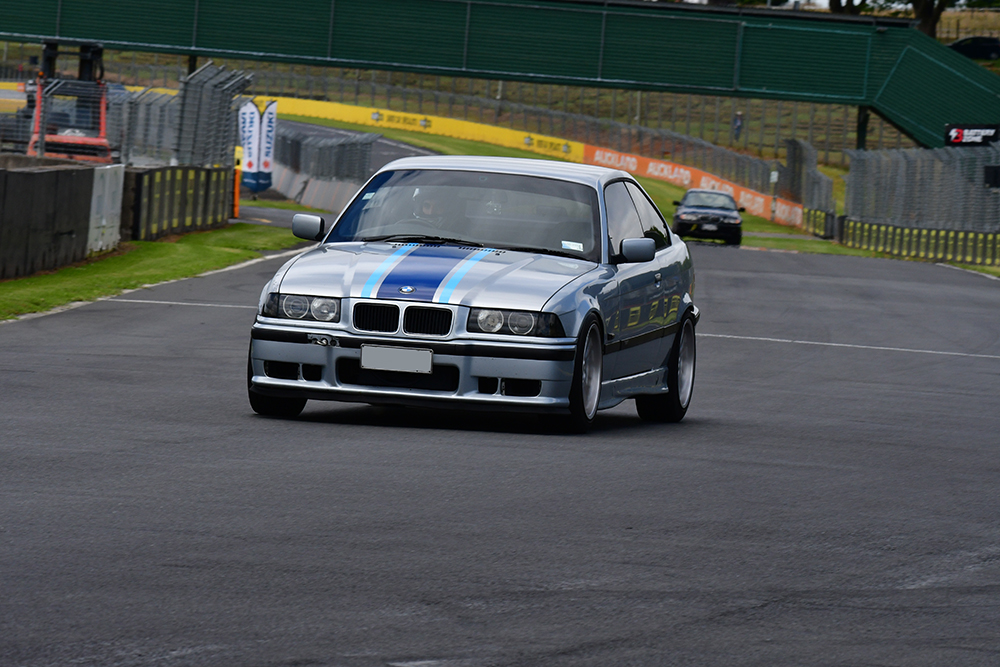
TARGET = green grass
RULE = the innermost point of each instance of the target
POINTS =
(286, 205)
(140, 263)
(810, 245)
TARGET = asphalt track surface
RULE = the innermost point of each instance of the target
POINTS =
(831, 498)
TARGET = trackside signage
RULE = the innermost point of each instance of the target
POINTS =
(257, 134)
(971, 135)
(785, 212)
(754, 202)
(268, 129)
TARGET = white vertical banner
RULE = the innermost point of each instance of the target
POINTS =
(268, 128)
(250, 139)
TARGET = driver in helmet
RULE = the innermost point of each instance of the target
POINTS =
(428, 207)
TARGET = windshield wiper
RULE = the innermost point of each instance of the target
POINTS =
(423, 238)
(543, 251)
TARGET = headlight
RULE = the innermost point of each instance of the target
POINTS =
(490, 321)
(687, 216)
(298, 307)
(517, 322)
(521, 323)
(325, 310)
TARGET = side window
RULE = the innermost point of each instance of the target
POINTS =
(623, 219)
(652, 223)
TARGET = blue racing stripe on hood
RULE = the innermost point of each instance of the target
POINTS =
(373, 279)
(423, 269)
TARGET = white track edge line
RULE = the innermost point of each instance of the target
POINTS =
(849, 345)
(175, 303)
(958, 268)
(76, 304)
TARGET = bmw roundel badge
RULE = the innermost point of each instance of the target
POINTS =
(406, 290)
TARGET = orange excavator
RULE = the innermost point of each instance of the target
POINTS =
(69, 118)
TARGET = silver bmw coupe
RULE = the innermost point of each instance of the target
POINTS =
(483, 283)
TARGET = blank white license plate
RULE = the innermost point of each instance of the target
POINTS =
(401, 359)
(710, 226)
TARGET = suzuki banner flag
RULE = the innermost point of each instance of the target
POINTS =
(268, 127)
(250, 138)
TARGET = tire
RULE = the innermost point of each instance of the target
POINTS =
(272, 406)
(672, 406)
(588, 372)
(734, 239)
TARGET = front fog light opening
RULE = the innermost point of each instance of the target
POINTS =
(295, 307)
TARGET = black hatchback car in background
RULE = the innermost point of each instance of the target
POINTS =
(709, 214)
(978, 48)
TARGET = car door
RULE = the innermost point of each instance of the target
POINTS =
(671, 274)
(634, 340)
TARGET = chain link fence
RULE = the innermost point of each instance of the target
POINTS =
(762, 127)
(206, 131)
(150, 135)
(196, 126)
(757, 126)
(346, 157)
(800, 181)
(939, 189)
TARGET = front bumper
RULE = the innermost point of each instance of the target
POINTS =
(324, 364)
(717, 229)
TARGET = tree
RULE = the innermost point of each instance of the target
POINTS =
(928, 13)
(848, 7)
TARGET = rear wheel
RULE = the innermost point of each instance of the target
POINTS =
(585, 395)
(272, 406)
(672, 406)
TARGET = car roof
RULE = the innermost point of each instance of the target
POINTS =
(567, 171)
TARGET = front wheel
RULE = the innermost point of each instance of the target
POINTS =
(588, 372)
(672, 406)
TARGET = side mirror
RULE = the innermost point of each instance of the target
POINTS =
(638, 250)
(742, 210)
(676, 203)
(309, 227)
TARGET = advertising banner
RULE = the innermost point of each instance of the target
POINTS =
(971, 135)
(250, 138)
(756, 203)
(268, 128)
(554, 147)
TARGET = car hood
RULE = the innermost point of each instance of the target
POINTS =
(708, 212)
(466, 276)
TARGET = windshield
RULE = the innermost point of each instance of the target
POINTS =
(475, 208)
(709, 200)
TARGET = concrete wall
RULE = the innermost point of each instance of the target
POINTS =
(330, 196)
